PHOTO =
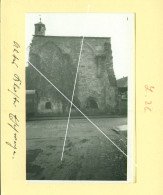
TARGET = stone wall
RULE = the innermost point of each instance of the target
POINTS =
(57, 58)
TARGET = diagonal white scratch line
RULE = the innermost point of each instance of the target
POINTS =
(72, 99)
(73, 94)
(81, 112)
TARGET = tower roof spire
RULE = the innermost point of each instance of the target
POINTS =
(40, 28)
(40, 18)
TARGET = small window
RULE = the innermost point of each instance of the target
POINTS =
(48, 105)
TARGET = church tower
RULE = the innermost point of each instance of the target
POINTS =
(40, 29)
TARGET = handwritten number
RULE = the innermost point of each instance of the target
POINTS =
(149, 88)
(148, 102)
(147, 108)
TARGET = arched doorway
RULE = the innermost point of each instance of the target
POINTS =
(91, 103)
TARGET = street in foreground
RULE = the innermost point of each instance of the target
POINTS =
(88, 154)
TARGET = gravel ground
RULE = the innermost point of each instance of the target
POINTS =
(88, 154)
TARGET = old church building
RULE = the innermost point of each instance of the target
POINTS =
(57, 58)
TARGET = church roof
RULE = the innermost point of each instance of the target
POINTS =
(85, 37)
(40, 23)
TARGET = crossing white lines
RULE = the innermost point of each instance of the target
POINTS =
(72, 98)
(131, 160)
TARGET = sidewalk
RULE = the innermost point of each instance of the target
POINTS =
(35, 118)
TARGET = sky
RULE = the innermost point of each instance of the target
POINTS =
(120, 27)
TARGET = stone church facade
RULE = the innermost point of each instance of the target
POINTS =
(57, 58)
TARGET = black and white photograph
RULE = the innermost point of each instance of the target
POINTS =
(79, 97)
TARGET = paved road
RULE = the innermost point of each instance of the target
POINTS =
(88, 154)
